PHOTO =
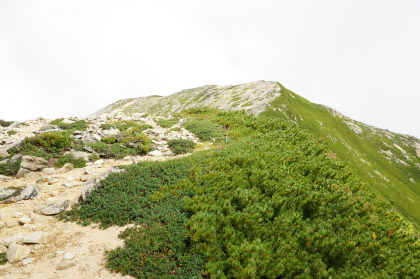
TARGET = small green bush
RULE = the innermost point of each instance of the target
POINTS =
(106, 126)
(51, 141)
(167, 123)
(77, 163)
(10, 169)
(3, 258)
(181, 146)
(93, 158)
(11, 132)
(203, 129)
(4, 123)
(109, 140)
(99, 147)
(125, 125)
(79, 125)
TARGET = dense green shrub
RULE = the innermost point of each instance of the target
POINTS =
(11, 132)
(125, 125)
(4, 123)
(181, 146)
(79, 125)
(204, 130)
(106, 126)
(10, 169)
(77, 163)
(269, 204)
(167, 123)
(93, 158)
(109, 140)
(3, 258)
(51, 141)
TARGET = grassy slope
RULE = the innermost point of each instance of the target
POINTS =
(363, 151)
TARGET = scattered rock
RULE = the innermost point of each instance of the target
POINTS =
(17, 214)
(25, 220)
(21, 173)
(67, 167)
(18, 239)
(12, 223)
(89, 170)
(50, 171)
(34, 238)
(52, 207)
(53, 181)
(2, 225)
(30, 192)
(156, 153)
(33, 163)
(15, 158)
(7, 193)
(46, 128)
(17, 252)
(65, 264)
(71, 184)
(27, 261)
(79, 154)
(68, 256)
(99, 162)
(42, 179)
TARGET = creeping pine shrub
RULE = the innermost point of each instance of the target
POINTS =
(125, 125)
(106, 126)
(5, 123)
(11, 132)
(204, 130)
(181, 146)
(77, 163)
(93, 158)
(167, 123)
(269, 204)
(10, 169)
(79, 125)
(3, 258)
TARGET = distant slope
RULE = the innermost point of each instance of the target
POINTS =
(388, 161)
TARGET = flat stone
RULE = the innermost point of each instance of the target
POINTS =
(17, 214)
(156, 153)
(89, 170)
(52, 207)
(15, 158)
(30, 192)
(38, 219)
(27, 261)
(12, 223)
(84, 178)
(16, 252)
(98, 162)
(14, 239)
(25, 220)
(53, 181)
(7, 193)
(65, 264)
(79, 154)
(34, 238)
(71, 184)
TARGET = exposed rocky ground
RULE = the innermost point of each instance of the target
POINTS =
(37, 244)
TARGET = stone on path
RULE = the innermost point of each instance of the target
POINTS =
(33, 163)
(17, 252)
(30, 192)
(52, 207)
(65, 264)
(34, 238)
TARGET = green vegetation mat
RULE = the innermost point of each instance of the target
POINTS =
(270, 202)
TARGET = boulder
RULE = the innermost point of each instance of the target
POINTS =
(51, 207)
(7, 193)
(17, 252)
(33, 163)
(21, 173)
(50, 171)
(27, 261)
(15, 158)
(65, 264)
(30, 192)
(15, 125)
(42, 179)
(25, 220)
(18, 239)
(12, 223)
(156, 153)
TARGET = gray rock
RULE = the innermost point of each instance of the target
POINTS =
(71, 184)
(98, 162)
(15, 125)
(34, 238)
(67, 167)
(156, 153)
(30, 192)
(65, 264)
(5, 161)
(15, 158)
(17, 252)
(25, 220)
(12, 223)
(89, 170)
(53, 181)
(21, 173)
(52, 207)
(7, 193)
(46, 128)
(17, 214)
(33, 163)
(50, 171)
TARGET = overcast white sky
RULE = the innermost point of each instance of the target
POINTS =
(71, 58)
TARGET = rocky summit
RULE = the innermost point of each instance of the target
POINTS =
(203, 167)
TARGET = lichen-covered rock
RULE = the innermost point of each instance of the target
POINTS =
(33, 163)
(7, 193)
(51, 207)
(67, 167)
(30, 192)
(21, 173)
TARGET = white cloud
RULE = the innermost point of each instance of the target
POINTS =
(61, 58)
